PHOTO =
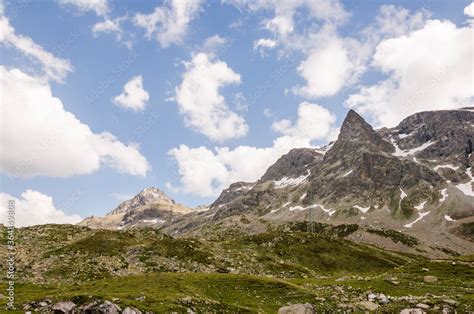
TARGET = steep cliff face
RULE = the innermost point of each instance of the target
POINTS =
(416, 177)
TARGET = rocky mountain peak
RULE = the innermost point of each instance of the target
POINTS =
(355, 127)
(357, 134)
(147, 196)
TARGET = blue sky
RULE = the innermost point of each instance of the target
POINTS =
(295, 88)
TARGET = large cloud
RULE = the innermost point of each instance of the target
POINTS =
(133, 96)
(55, 68)
(34, 208)
(331, 61)
(39, 137)
(204, 172)
(169, 23)
(428, 69)
(334, 62)
(199, 99)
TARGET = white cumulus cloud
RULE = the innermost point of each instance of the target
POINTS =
(169, 23)
(133, 96)
(200, 101)
(428, 69)
(469, 10)
(55, 68)
(44, 139)
(327, 69)
(314, 122)
(100, 7)
(34, 208)
(205, 172)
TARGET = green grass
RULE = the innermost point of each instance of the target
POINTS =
(163, 292)
(239, 293)
(235, 273)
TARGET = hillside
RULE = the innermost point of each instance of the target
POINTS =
(147, 270)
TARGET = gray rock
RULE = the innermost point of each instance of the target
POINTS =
(297, 309)
(423, 306)
(64, 307)
(131, 310)
(367, 306)
(382, 298)
(412, 311)
(451, 302)
(106, 307)
(186, 300)
(371, 296)
(430, 279)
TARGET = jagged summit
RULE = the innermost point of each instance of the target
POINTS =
(147, 196)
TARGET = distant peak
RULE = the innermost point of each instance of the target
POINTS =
(146, 196)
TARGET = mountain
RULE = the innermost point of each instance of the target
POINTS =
(149, 208)
(415, 179)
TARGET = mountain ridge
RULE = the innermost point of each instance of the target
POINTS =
(415, 178)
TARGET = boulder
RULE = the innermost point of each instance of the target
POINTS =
(97, 307)
(131, 310)
(297, 309)
(367, 306)
(423, 306)
(412, 311)
(63, 307)
(430, 279)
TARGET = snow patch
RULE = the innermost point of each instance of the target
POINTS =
(402, 136)
(154, 221)
(420, 217)
(444, 195)
(402, 194)
(448, 218)
(421, 206)
(362, 209)
(285, 181)
(326, 210)
(323, 149)
(203, 209)
(413, 151)
(347, 173)
(302, 196)
(466, 188)
(297, 207)
(244, 188)
(446, 166)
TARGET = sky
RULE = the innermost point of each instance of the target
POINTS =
(101, 99)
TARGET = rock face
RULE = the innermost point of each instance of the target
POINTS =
(146, 197)
(416, 177)
(149, 208)
(292, 164)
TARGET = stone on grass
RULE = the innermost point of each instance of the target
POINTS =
(297, 309)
